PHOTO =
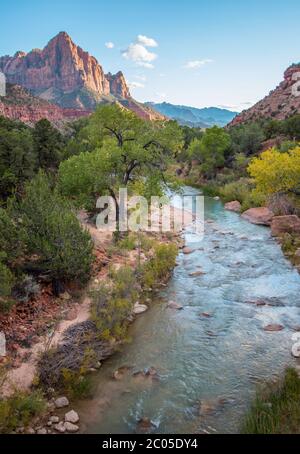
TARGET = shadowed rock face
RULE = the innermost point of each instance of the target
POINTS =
(280, 104)
(64, 73)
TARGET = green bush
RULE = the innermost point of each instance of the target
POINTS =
(276, 409)
(19, 409)
(54, 233)
(237, 190)
(160, 265)
(75, 384)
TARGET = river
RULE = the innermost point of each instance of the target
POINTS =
(212, 355)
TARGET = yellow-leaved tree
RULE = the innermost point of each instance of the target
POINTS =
(276, 172)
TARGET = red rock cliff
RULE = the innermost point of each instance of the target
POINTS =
(63, 73)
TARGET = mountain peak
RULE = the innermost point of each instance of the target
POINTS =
(64, 73)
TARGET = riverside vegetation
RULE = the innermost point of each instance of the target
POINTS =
(47, 177)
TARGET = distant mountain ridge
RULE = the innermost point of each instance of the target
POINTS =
(192, 116)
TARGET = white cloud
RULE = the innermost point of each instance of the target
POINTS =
(109, 45)
(136, 85)
(195, 64)
(145, 41)
(139, 55)
(140, 77)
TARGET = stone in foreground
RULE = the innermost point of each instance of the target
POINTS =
(61, 402)
(259, 216)
(72, 416)
(285, 224)
(233, 206)
(71, 428)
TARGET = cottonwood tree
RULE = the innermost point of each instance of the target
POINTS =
(128, 153)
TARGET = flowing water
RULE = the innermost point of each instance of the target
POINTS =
(209, 366)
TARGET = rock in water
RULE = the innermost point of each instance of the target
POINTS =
(273, 328)
(145, 423)
(139, 308)
(174, 305)
(259, 216)
(188, 250)
(72, 416)
(61, 402)
(233, 206)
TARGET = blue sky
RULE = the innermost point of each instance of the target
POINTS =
(201, 53)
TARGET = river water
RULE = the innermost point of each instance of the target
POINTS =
(209, 367)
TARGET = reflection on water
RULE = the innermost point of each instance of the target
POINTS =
(211, 356)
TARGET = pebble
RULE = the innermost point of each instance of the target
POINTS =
(60, 427)
(72, 416)
(61, 402)
(54, 419)
(69, 427)
(42, 431)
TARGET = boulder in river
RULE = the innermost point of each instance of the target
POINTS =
(145, 424)
(259, 216)
(174, 305)
(197, 273)
(121, 372)
(273, 328)
(233, 206)
(285, 224)
(188, 250)
(139, 308)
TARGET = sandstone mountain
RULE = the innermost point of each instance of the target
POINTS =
(64, 74)
(280, 104)
(20, 104)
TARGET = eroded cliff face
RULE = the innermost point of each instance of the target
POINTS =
(19, 104)
(280, 104)
(63, 73)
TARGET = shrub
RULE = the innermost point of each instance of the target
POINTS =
(275, 172)
(54, 233)
(128, 243)
(110, 313)
(160, 265)
(237, 190)
(276, 409)
(75, 384)
(113, 303)
(19, 409)
(6, 283)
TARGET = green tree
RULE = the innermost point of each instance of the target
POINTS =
(48, 144)
(17, 156)
(129, 152)
(246, 139)
(276, 172)
(62, 248)
(210, 150)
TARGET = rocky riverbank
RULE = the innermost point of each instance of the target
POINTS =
(60, 353)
